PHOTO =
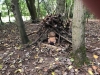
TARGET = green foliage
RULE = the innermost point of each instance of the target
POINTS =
(45, 7)
(50, 6)
(5, 7)
(42, 10)
(23, 8)
(7, 1)
(69, 7)
(22, 5)
(4, 11)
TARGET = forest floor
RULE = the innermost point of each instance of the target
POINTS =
(17, 59)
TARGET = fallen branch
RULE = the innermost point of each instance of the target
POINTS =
(39, 37)
(51, 46)
(64, 38)
(31, 33)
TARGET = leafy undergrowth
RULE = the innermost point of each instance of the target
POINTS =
(17, 59)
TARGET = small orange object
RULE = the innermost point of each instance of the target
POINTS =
(51, 38)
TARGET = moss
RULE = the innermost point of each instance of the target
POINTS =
(80, 57)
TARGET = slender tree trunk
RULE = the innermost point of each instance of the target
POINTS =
(60, 8)
(78, 34)
(8, 11)
(0, 19)
(32, 9)
(69, 9)
(47, 8)
(38, 10)
(20, 23)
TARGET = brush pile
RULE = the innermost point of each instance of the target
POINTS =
(54, 24)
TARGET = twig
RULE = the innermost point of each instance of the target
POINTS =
(39, 37)
(64, 38)
(30, 33)
(28, 45)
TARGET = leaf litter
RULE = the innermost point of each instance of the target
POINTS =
(42, 60)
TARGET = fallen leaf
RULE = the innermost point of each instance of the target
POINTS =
(56, 59)
(51, 64)
(1, 66)
(0, 57)
(34, 31)
(18, 70)
(13, 30)
(41, 60)
(95, 56)
(37, 67)
(11, 53)
(36, 56)
(70, 67)
(72, 59)
(18, 47)
(12, 66)
(53, 73)
(76, 70)
(5, 44)
(37, 49)
(90, 71)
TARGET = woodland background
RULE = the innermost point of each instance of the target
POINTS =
(24, 29)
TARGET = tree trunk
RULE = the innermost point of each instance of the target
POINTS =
(8, 10)
(32, 9)
(70, 9)
(0, 18)
(60, 8)
(78, 34)
(38, 10)
(20, 23)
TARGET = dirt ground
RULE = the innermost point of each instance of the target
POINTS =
(15, 59)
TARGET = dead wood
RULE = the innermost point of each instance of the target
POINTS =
(52, 23)
(39, 37)
(51, 46)
(64, 38)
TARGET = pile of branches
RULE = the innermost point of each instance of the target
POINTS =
(56, 24)
(60, 27)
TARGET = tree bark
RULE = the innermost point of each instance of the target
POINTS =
(32, 9)
(78, 34)
(0, 18)
(38, 10)
(8, 10)
(20, 23)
